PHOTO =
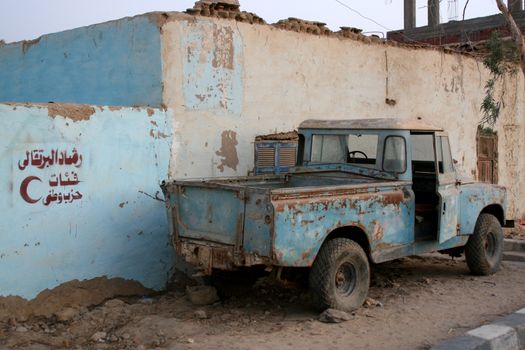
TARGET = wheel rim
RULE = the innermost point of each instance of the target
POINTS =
(490, 245)
(345, 279)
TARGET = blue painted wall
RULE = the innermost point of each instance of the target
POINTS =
(113, 63)
(79, 199)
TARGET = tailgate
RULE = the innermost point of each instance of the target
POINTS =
(209, 213)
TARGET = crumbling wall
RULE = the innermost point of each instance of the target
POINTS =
(80, 196)
(114, 63)
(277, 76)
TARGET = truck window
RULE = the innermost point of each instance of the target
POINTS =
(444, 156)
(395, 159)
(362, 149)
(423, 157)
(329, 148)
(357, 149)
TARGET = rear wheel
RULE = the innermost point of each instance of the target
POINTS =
(484, 249)
(340, 276)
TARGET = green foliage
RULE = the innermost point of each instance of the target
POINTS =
(495, 63)
(486, 130)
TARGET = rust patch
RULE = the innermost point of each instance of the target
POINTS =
(228, 150)
(114, 108)
(224, 51)
(392, 198)
(26, 44)
(73, 112)
(378, 231)
(150, 112)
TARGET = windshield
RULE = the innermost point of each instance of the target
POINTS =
(358, 149)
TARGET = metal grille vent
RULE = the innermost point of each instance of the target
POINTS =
(287, 156)
(275, 157)
(266, 157)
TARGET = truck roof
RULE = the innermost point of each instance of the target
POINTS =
(372, 123)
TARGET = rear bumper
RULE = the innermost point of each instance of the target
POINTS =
(207, 256)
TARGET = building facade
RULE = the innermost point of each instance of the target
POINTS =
(173, 95)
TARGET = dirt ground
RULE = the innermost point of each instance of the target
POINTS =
(419, 302)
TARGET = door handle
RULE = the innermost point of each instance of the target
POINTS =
(444, 207)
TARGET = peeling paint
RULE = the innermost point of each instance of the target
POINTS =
(212, 65)
(223, 55)
(70, 111)
(118, 158)
(228, 150)
(27, 44)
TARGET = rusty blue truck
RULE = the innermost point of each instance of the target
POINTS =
(363, 192)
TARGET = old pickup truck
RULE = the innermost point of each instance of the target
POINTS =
(363, 191)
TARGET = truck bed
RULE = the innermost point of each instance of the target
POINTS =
(222, 222)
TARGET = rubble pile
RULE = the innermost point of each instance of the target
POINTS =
(303, 26)
(230, 9)
(224, 9)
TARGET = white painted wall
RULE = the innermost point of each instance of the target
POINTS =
(287, 77)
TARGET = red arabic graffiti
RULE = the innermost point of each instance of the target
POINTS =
(66, 180)
(37, 159)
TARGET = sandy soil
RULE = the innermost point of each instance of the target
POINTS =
(421, 301)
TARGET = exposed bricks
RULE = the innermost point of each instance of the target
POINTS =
(229, 9)
(300, 25)
(226, 9)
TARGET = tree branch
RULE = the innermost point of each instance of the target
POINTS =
(465, 9)
(515, 32)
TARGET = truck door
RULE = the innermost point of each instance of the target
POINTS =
(447, 189)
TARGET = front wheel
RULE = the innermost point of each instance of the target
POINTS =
(484, 249)
(340, 276)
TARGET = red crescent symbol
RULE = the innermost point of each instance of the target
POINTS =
(23, 189)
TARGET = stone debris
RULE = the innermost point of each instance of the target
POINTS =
(99, 337)
(369, 302)
(67, 314)
(202, 295)
(201, 314)
(334, 316)
(21, 329)
(113, 303)
(227, 9)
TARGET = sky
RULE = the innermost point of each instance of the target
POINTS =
(29, 19)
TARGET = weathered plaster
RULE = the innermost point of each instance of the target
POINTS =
(288, 77)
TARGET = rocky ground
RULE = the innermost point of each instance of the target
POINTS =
(414, 303)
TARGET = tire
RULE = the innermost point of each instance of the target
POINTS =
(484, 249)
(340, 276)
